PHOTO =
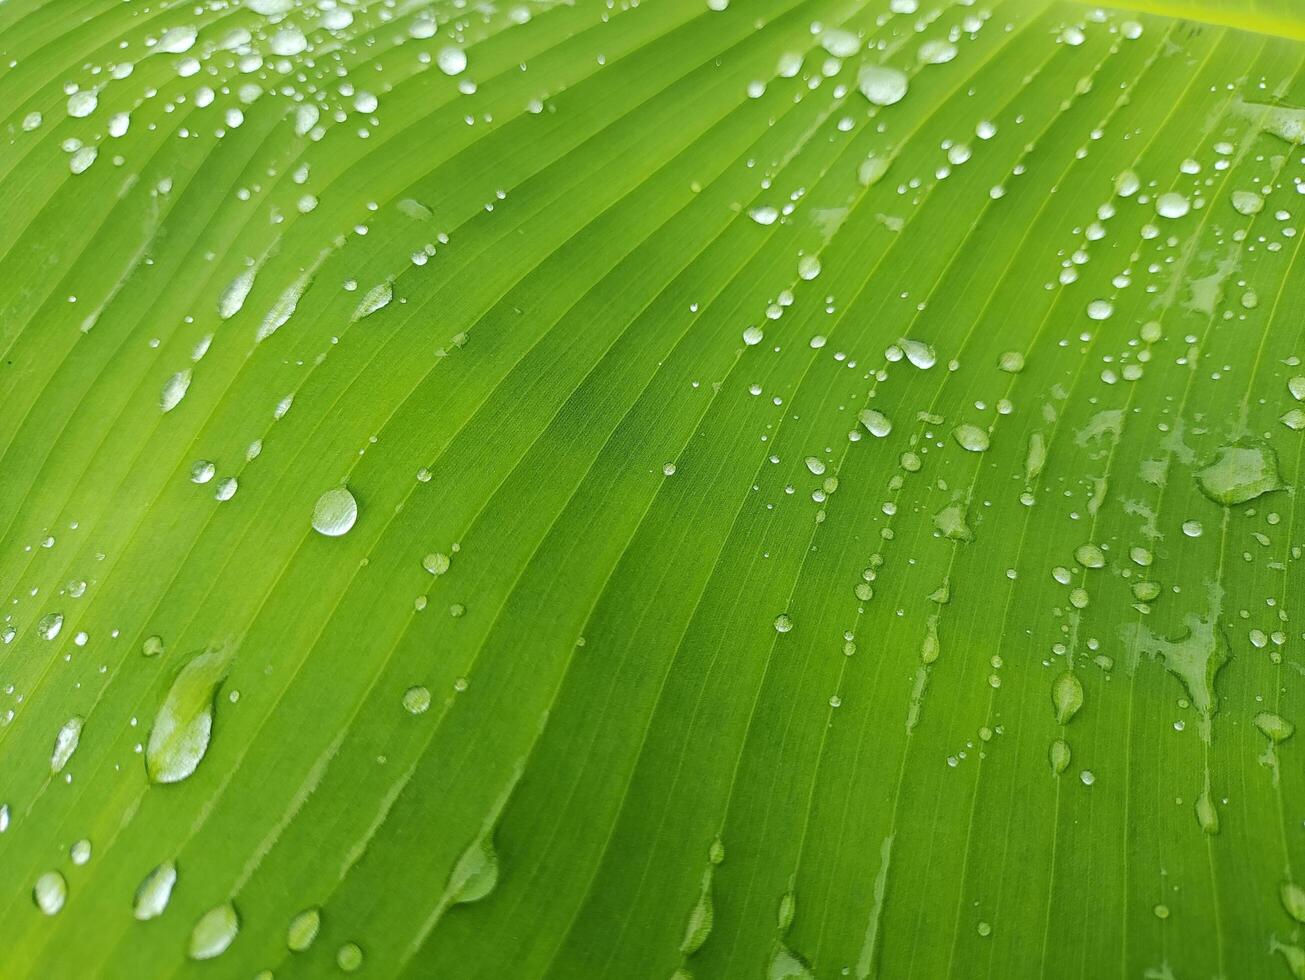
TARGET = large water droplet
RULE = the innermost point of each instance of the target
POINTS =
(475, 874)
(214, 932)
(1239, 474)
(184, 721)
(335, 513)
(50, 892)
(303, 930)
(881, 85)
(65, 743)
(1067, 696)
(155, 891)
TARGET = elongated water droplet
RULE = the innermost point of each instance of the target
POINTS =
(1293, 900)
(233, 297)
(283, 309)
(1207, 817)
(184, 721)
(876, 423)
(1059, 756)
(65, 743)
(1067, 696)
(787, 910)
(155, 891)
(214, 932)
(174, 390)
(698, 927)
(376, 298)
(303, 930)
(1036, 458)
(475, 874)
(335, 513)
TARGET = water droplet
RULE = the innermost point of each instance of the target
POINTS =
(1247, 202)
(1067, 696)
(839, 43)
(783, 623)
(1172, 205)
(50, 892)
(214, 932)
(416, 700)
(882, 86)
(971, 437)
(349, 957)
(436, 563)
(752, 336)
(174, 390)
(49, 625)
(787, 910)
(1012, 362)
(1239, 474)
(1059, 756)
(1293, 900)
(936, 52)
(303, 930)
(65, 743)
(80, 852)
(701, 917)
(1100, 309)
(765, 215)
(184, 722)
(201, 471)
(233, 297)
(376, 298)
(786, 965)
(155, 891)
(335, 512)
(1090, 556)
(1275, 727)
(452, 61)
(475, 874)
(876, 423)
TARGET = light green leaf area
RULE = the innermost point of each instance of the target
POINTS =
(777, 488)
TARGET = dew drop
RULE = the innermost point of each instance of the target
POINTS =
(155, 891)
(214, 932)
(882, 86)
(303, 930)
(50, 892)
(184, 722)
(335, 513)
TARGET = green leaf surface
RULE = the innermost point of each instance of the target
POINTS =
(585, 489)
